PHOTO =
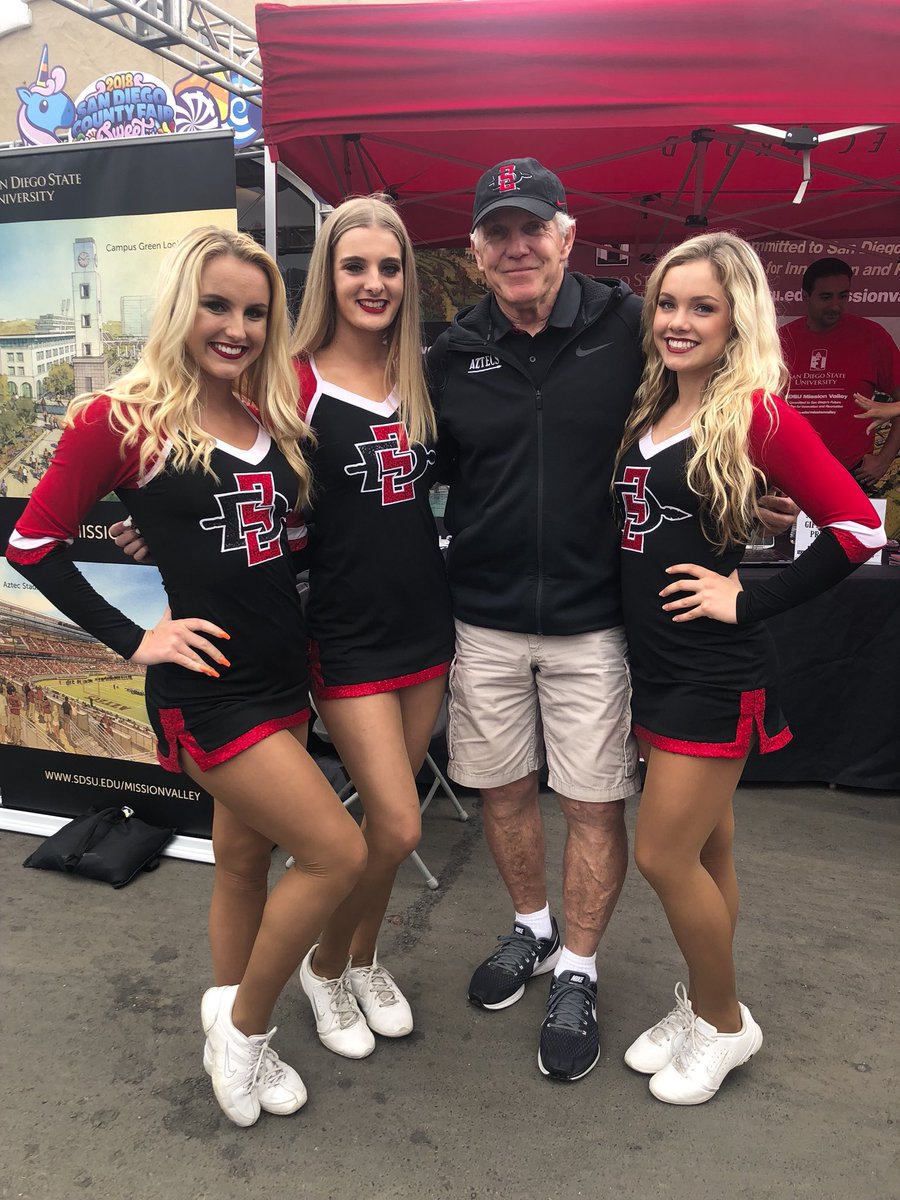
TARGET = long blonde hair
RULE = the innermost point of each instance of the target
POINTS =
(316, 323)
(158, 400)
(719, 471)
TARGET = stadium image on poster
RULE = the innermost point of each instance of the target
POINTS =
(59, 688)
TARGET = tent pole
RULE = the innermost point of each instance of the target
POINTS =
(699, 175)
(271, 203)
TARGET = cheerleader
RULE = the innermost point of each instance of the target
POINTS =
(381, 631)
(707, 433)
(200, 442)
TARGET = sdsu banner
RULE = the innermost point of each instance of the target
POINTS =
(83, 229)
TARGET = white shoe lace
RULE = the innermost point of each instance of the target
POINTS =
(261, 1054)
(693, 1046)
(381, 984)
(272, 1071)
(676, 1021)
(343, 1002)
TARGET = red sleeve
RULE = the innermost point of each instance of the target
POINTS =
(87, 465)
(308, 384)
(794, 458)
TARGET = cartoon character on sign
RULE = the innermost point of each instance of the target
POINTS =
(46, 109)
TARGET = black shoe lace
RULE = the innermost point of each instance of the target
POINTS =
(516, 949)
(569, 1007)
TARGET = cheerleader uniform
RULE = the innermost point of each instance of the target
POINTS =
(379, 605)
(702, 687)
(223, 547)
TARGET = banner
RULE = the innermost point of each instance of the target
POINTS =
(83, 229)
(123, 102)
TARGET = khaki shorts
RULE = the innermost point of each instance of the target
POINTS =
(514, 696)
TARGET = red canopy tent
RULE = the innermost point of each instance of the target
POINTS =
(635, 104)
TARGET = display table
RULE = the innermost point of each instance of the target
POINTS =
(840, 671)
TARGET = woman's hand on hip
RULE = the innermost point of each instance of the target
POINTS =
(182, 642)
(708, 594)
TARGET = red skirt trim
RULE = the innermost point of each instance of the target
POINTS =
(373, 688)
(172, 721)
(753, 711)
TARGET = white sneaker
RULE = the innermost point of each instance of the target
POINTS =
(703, 1059)
(279, 1088)
(383, 1005)
(236, 1061)
(655, 1048)
(339, 1023)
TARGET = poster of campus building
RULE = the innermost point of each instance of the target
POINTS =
(74, 325)
(83, 231)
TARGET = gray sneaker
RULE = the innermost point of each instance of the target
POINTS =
(501, 978)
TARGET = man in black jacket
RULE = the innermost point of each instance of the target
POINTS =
(533, 385)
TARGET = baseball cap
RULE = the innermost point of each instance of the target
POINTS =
(519, 183)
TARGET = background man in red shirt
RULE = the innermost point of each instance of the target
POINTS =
(832, 355)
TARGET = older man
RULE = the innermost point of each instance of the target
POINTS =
(533, 385)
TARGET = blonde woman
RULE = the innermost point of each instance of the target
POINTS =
(381, 634)
(200, 442)
(707, 433)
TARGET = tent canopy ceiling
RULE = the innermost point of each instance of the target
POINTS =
(635, 105)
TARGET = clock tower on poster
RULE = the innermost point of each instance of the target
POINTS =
(89, 364)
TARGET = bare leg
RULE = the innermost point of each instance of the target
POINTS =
(240, 888)
(514, 829)
(594, 868)
(686, 807)
(382, 741)
(275, 788)
(240, 891)
(717, 856)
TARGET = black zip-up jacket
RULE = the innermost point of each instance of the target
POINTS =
(535, 544)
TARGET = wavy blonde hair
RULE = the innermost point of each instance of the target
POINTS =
(158, 400)
(316, 323)
(719, 471)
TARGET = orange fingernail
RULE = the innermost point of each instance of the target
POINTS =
(223, 661)
(210, 671)
(226, 636)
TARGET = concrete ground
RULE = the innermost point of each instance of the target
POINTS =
(104, 1095)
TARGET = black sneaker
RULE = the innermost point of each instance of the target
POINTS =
(500, 980)
(570, 1039)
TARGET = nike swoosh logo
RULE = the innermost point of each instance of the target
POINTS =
(582, 353)
(227, 1069)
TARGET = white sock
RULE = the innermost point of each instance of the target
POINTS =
(538, 922)
(574, 962)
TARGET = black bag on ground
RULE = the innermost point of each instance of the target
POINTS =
(112, 845)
